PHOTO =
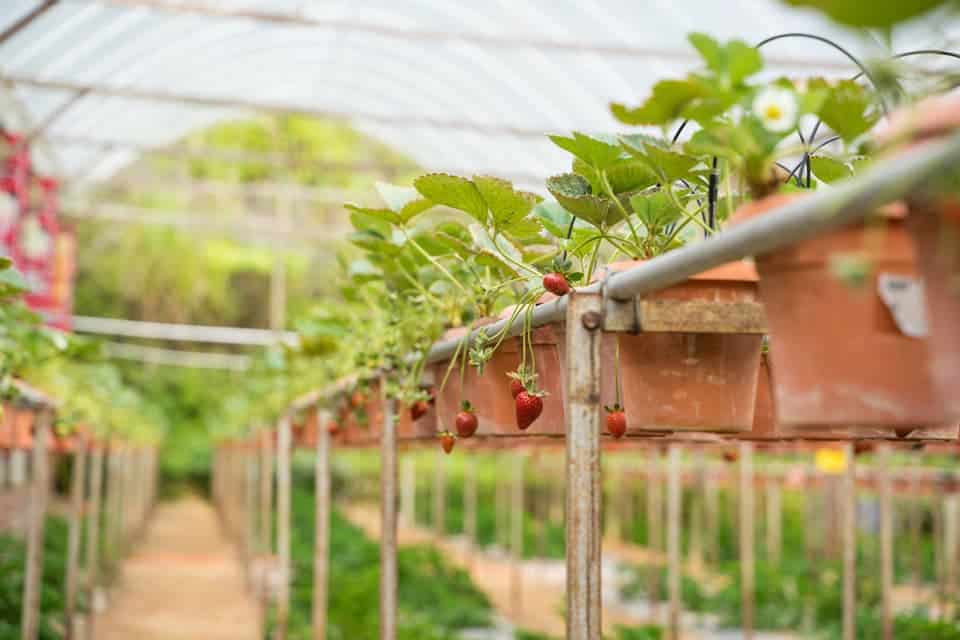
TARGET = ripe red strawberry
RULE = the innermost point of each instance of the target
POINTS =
(556, 283)
(515, 387)
(466, 420)
(730, 456)
(529, 407)
(418, 409)
(616, 421)
(358, 399)
(332, 426)
(447, 440)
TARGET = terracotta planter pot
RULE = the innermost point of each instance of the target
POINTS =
(490, 393)
(22, 428)
(688, 381)
(838, 357)
(935, 228)
(61, 444)
(764, 419)
(6, 428)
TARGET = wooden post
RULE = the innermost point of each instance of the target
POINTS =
(915, 512)
(408, 491)
(388, 522)
(516, 537)
(613, 525)
(18, 467)
(674, 531)
(77, 482)
(283, 527)
(470, 500)
(746, 538)
(266, 492)
(583, 419)
(654, 531)
(499, 512)
(950, 512)
(886, 542)
(774, 519)
(849, 541)
(711, 514)
(440, 494)
(39, 488)
(250, 506)
(321, 550)
(93, 535)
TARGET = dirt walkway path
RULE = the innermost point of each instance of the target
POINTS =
(183, 582)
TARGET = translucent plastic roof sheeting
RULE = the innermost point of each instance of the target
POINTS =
(490, 73)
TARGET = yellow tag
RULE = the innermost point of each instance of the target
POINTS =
(832, 461)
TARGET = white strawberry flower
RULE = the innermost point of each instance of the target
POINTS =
(777, 108)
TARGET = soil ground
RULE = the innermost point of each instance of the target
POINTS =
(182, 582)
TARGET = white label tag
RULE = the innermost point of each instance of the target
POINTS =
(903, 296)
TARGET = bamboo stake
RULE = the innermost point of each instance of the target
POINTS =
(283, 527)
(408, 491)
(39, 488)
(93, 535)
(886, 542)
(613, 523)
(747, 539)
(388, 523)
(849, 508)
(712, 510)
(321, 550)
(674, 531)
(583, 337)
(516, 542)
(77, 481)
(266, 492)
(915, 512)
(470, 502)
(950, 512)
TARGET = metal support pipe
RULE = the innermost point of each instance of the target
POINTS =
(843, 203)
(584, 493)
(321, 548)
(283, 527)
(77, 486)
(39, 488)
(388, 521)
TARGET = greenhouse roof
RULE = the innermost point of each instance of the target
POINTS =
(470, 87)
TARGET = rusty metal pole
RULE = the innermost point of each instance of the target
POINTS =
(39, 488)
(516, 537)
(93, 534)
(747, 538)
(849, 527)
(283, 527)
(674, 531)
(321, 549)
(886, 542)
(77, 486)
(388, 522)
(584, 324)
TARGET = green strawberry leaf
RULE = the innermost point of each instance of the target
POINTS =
(556, 220)
(454, 192)
(574, 193)
(669, 100)
(655, 210)
(668, 166)
(875, 14)
(828, 169)
(597, 153)
(847, 110)
(508, 206)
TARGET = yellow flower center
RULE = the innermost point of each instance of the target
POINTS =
(773, 112)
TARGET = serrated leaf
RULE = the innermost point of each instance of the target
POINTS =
(847, 110)
(625, 176)
(597, 153)
(366, 218)
(13, 282)
(655, 210)
(574, 193)
(828, 169)
(454, 192)
(742, 61)
(667, 103)
(555, 219)
(710, 50)
(667, 165)
(396, 197)
(507, 205)
(874, 14)
(364, 271)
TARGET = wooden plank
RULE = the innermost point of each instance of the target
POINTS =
(774, 521)
(321, 546)
(747, 539)
(388, 521)
(886, 543)
(665, 315)
(584, 496)
(439, 493)
(516, 535)
(674, 531)
(77, 482)
(654, 530)
(283, 527)
(849, 542)
(39, 488)
(93, 536)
